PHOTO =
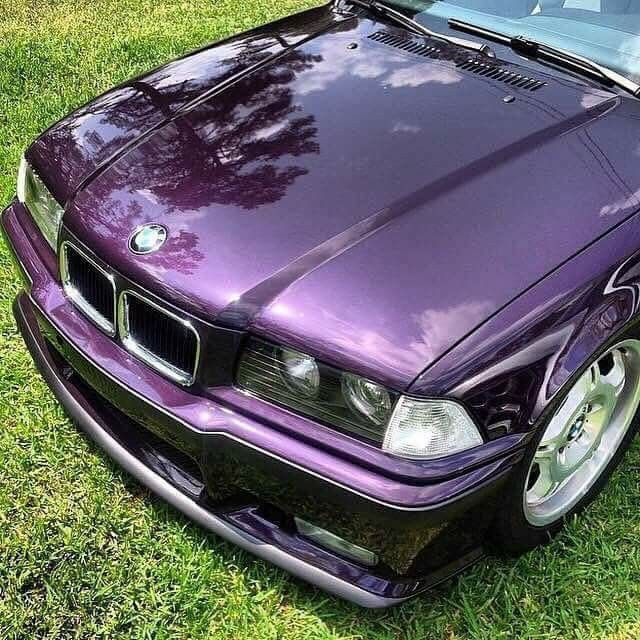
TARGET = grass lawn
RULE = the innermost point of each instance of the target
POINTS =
(85, 552)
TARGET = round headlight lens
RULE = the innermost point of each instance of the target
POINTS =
(366, 398)
(300, 373)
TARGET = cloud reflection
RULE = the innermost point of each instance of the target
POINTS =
(434, 331)
(407, 72)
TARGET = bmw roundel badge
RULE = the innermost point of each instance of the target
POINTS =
(147, 239)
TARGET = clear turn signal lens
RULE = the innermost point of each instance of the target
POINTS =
(425, 429)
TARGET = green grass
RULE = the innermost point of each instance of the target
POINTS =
(85, 552)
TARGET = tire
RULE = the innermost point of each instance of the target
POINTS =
(528, 516)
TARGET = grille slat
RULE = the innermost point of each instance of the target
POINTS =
(89, 287)
(164, 341)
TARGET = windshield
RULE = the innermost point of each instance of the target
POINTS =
(605, 31)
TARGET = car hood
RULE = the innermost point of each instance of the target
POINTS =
(365, 203)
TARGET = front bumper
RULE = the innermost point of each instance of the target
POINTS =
(220, 460)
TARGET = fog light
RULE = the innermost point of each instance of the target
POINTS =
(334, 543)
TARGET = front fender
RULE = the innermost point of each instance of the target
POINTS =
(513, 366)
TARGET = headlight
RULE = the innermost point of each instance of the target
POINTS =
(404, 426)
(309, 387)
(367, 398)
(429, 429)
(300, 372)
(43, 207)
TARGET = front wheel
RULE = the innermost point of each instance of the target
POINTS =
(580, 445)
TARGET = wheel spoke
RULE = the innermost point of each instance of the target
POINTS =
(595, 376)
(555, 434)
(551, 471)
(549, 445)
(617, 375)
(573, 455)
(597, 420)
(544, 483)
(608, 387)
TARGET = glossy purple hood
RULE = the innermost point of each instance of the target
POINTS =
(365, 204)
(69, 151)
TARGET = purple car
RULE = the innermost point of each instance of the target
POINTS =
(357, 291)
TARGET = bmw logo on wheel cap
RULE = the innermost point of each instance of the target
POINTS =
(147, 239)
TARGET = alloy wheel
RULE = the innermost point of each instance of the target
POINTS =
(583, 435)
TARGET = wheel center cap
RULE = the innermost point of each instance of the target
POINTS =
(578, 426)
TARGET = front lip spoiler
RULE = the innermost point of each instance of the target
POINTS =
(180, 501)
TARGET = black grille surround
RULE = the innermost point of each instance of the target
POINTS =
(159, 338)
(89, 287)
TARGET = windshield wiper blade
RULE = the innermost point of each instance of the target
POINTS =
(547, 53)
(413, 25)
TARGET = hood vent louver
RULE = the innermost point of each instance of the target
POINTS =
(501, 75)
(410, 46)
(492, 71)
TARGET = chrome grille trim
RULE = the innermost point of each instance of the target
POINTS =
(184, 378)
(108, 325)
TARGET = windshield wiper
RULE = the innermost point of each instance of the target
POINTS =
(400, 18)
(547, 53)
